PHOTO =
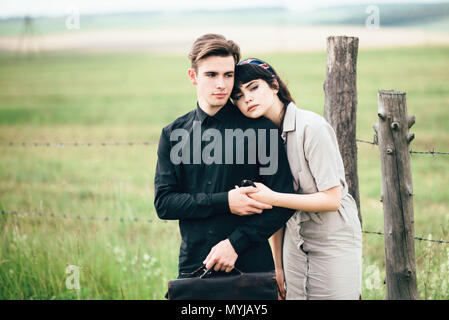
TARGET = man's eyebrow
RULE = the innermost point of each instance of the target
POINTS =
(215, 72)
(246, 86)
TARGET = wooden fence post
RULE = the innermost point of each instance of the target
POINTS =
(340, 106)
(397, 192)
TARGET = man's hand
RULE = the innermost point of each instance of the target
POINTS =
(222, 256)
(242, 205)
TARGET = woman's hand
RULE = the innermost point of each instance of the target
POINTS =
(263, 194)
(280, 280)
(241, 204)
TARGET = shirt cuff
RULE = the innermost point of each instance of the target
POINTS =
(326, 185)
(239, 241)
(220, 202)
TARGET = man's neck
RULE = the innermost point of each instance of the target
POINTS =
(208, 109)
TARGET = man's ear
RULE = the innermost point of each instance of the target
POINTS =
(192, 76)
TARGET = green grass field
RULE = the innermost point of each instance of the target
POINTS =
(130, 97)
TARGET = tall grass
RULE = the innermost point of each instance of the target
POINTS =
(130, 97)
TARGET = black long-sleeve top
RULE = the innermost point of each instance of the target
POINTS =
(192, 185)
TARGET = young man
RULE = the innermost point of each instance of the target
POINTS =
(200, 161)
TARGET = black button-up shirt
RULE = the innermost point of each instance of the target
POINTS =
(194, 190)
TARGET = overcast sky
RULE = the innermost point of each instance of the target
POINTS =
(61, 7)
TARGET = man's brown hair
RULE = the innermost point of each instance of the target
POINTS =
(212, 44)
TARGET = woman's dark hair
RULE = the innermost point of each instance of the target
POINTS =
(247, 72)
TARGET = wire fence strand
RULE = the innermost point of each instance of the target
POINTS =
(416, 238)
(77, 144)
(121, 219)
(431, 152)
(79, 217)
(148, 143)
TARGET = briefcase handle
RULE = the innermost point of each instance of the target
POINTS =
(207, 272)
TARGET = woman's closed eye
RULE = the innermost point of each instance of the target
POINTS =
(254, 88)
(237, 97)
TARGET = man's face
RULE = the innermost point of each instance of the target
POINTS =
(214, 79)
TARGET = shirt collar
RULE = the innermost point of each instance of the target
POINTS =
(200, 114)
(289, 123)
(223, 115)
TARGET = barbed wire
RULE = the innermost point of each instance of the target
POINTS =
(416, 238)
(432, 152)
(147, 143)
(83, 217)
(365, 141)
(80, 217)
(75, 144)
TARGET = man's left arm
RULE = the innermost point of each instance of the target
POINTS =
(258, 227)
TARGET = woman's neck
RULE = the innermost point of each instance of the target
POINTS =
(275, 112)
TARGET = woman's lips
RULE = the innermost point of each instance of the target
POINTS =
(251, 108)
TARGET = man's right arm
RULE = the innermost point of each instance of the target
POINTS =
(171, 201)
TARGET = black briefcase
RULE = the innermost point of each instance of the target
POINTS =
(209, 285)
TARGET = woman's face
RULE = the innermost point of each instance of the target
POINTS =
(255, 98)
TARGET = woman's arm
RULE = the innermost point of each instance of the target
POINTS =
(276, 248)
(327, 200)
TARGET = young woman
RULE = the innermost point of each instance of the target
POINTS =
(319, 251)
